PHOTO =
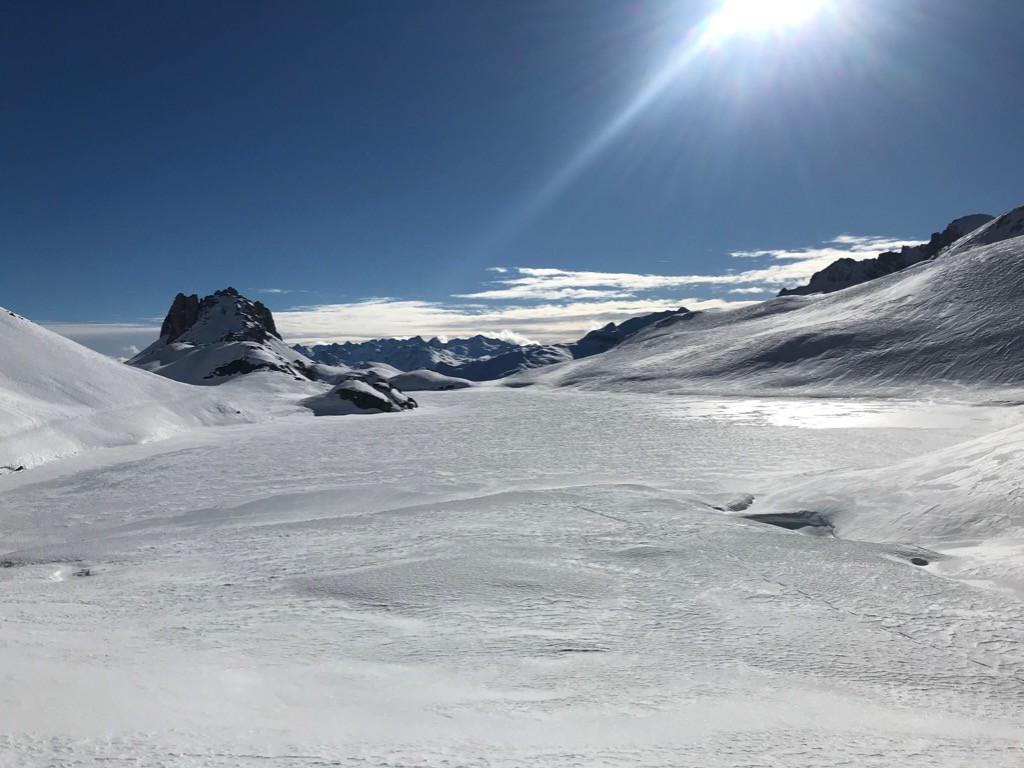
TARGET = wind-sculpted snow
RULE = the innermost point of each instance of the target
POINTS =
(468, 586)
(58, 398)
(948, 324)
(966, 499)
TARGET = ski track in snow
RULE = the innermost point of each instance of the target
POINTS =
(502, 578)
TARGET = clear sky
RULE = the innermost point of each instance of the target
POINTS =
(386, 167)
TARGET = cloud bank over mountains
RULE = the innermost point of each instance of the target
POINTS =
(523, 304)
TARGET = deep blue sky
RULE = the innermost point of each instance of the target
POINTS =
(374, 148)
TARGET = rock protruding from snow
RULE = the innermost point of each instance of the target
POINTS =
(183, 315)
(220, 337)
(360, 392)
(845, 273)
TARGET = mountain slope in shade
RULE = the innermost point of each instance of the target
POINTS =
(222, 336)
(58, 397)
(954, 320)
(845, 273)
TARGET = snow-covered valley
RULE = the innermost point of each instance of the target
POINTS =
(511, 577)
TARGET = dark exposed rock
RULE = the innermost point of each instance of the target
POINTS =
(183, 314)
(360, 391)
(245, 365)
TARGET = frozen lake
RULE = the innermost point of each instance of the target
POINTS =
(500, 578)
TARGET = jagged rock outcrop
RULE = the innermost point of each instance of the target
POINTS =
(182, 315)
(845, 273)
(220, 337)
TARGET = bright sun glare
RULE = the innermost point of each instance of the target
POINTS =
(742, 16)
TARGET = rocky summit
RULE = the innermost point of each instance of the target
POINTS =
(223, 335)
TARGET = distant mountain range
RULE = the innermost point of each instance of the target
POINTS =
(478, 358)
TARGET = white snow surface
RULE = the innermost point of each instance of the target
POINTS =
(943, 325)
(424, 380)
(516, 577)
(58, 398)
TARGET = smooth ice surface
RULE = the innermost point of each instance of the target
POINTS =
(499, 578)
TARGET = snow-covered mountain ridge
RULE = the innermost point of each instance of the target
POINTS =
(846, 272)
(950, 321)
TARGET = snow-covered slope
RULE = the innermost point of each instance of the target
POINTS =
(965, 500)
(57, 398)
(954, 320)
(222, 336)
(845, 273)
(424, 380)
(505, 579)
(360, 392)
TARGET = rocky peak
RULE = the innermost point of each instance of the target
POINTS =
(223, 335)
(224, 315)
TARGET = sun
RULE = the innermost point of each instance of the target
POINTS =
(748, 16)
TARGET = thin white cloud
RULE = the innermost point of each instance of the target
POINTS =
(841, 246)
(752, 289)
(794, 266)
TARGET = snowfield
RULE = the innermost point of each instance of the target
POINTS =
(520, 577)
